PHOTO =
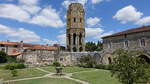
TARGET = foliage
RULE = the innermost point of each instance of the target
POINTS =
(91, 46)
(11, 59)
(14, 72)
(56, 64)
(14, 66)
(128, 67)
(87, 61)
(3, 57)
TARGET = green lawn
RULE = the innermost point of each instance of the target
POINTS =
(67, 69)
(22, 73)
(47, 81)
(97, 77)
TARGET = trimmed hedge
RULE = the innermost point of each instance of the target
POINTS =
(14, 66)
(56, 64)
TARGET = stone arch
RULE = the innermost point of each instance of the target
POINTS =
(80, 39)
(80, 49)
(74, 38)
(74, 49)
(109, 60)
(145, 57)
(69, 38)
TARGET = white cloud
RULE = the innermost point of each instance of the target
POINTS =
(32, 9)
(128, 14)
(48, 17)
(103, 34)
(144, 21)
(19, 34)
(93, 21)
(62, 39)
(97, 33)
(13, 12)
(92, 32)
(29, 12)
(96, 1)
(51, 42)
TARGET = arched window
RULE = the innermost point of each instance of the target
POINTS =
(80, 39)
(74, 49)
(80, 20)
(69, 39)
(144, 57)
(74, 19)
(74, 38)
(109, 60)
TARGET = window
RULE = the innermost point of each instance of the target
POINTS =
(74, 19)
(126, 44)
(80, 20)
(15, 46)
(68, 19)
(109, 45)
(142, 42)
(61, 59)
(1, 45)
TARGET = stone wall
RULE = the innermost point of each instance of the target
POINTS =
(110, 44)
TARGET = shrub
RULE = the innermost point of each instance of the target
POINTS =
(20, 66)
(14, 72)
(56, 64)
(14, 66)
(100, 66)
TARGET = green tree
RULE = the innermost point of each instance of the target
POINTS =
(14, 72)
(3, 57)
(87, 61)
(99, 46)
(129, 68)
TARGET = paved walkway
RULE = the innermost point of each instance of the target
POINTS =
(51, 75)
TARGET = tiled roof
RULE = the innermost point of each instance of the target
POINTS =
(14, 52)
(130, 31)
(16, 43)
(43, 47)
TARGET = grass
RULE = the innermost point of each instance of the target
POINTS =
(22, 73)
(67, 69)
(47, 81)
(97, 77)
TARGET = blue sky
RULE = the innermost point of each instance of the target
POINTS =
(44, 21)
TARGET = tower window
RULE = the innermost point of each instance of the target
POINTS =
(74, 38)
(142, 42)
(68, 19)
(74, 19)
(80, 20)
(80, 39)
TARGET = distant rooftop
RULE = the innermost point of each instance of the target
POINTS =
(130, 31)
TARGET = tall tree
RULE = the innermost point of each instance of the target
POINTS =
(129, 68)
(3, 57)
(92, 46)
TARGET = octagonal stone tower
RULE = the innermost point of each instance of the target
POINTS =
(75, 28)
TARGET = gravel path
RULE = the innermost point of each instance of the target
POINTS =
(51, 75)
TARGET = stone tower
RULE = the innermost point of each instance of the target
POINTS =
(75, 28)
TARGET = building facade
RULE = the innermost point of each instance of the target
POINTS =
(133, 39)
(75, 32)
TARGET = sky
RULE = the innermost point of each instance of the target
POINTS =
(44, 21)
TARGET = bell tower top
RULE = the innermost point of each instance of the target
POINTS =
(75, 16)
